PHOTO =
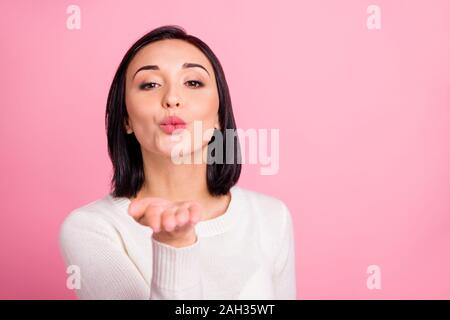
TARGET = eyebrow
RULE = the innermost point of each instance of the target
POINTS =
(184, 66)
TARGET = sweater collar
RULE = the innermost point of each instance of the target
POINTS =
(204, 228)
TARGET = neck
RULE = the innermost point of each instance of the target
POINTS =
(180, 182)
(174, 182)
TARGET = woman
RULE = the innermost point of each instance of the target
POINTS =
(174, 229)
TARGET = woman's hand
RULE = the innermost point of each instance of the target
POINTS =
(172, 222)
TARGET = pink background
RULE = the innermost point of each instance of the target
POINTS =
(364, 119)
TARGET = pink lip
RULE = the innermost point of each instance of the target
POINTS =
(170, 124)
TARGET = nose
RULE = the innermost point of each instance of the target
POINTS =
(168, 104)
(171, 100)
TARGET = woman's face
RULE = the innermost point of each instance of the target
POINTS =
(178, 81)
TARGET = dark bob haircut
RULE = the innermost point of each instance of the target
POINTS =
(124, 149)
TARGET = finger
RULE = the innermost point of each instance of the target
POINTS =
(168, 221)
(152, 217)
(137, 207)
(194, 212)
(182, 216)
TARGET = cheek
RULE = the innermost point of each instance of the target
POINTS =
(204, 113)
(141, 111)
(205, 108)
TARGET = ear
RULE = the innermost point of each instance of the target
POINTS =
(128, 127)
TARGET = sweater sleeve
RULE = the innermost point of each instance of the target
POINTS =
(176, 272)
(285, 277)
(106, 271)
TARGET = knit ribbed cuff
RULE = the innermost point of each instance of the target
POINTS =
(176, 268)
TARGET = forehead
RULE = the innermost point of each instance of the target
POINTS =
(169, 54)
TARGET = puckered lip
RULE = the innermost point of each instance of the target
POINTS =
(173, 120)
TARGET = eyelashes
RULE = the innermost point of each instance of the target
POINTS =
(198, 83)
(151, 85)
(147, 86)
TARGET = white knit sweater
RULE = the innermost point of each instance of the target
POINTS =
(246, 253)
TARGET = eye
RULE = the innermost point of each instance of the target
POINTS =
(194, 83)
(148, 85)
